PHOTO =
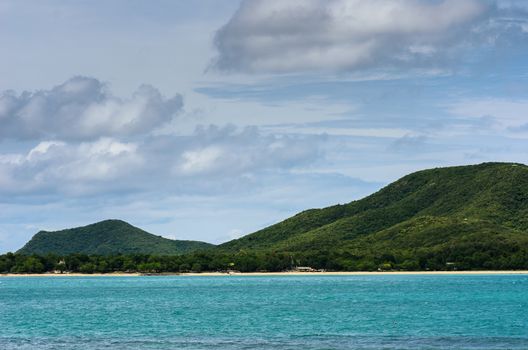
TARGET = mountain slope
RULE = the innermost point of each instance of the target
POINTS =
(483, 205)
(105, 238)
(466, 217)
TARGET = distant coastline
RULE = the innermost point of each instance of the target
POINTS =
(461, 218)
(286, 273)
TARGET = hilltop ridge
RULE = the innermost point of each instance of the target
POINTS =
(105, 238)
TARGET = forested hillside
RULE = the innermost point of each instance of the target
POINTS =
(106, 238)
(466, 217)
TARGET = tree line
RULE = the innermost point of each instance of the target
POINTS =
(464, 257)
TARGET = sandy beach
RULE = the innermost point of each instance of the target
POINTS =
(287, 273)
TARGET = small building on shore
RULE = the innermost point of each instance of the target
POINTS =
(304, 269)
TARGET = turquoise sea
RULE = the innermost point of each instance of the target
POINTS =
(280, 312)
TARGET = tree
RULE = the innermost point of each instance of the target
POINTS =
(30, 264)
(87, 268)
(60, 266)
(196, 267)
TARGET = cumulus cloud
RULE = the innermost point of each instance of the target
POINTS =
(55, 166)
(228, 151)
(211, 155)
(82, 109)
(340, 35)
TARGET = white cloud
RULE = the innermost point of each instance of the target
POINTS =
(207, 159)
(43, 148)
(328, 35)
(198, 161)
(83, 109)
(53, 166)
(215, 151)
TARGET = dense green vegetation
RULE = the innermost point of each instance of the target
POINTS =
(106, 238)
(466, 256)
(468, 217)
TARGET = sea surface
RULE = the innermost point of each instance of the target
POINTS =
(260, 312)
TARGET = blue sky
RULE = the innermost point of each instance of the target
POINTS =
(211, 119)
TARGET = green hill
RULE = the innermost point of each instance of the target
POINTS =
(466, 215)
(106, 238)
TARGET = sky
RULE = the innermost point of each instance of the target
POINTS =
(207, 120)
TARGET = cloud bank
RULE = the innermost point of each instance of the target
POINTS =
(207, 159)
(276, 36)
(82, 109)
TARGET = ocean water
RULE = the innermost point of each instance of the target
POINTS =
(280, 312)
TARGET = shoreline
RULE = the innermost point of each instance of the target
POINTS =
(287, 273)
